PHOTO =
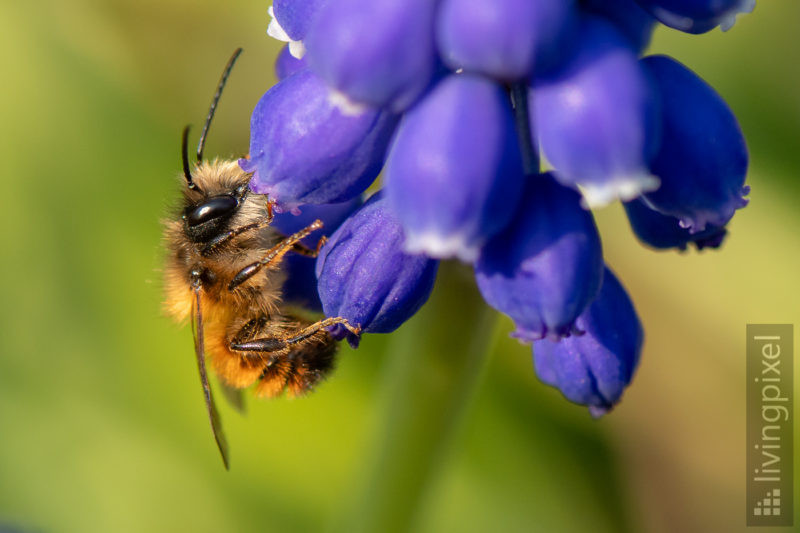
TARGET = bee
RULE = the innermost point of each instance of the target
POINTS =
(223, 272)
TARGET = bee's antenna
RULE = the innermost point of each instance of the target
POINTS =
(185, 152)
(225, 73)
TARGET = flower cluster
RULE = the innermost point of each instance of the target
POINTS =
(451, 100)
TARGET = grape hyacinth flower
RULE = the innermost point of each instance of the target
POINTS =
(367, 278)
(290, 20)
(596, 116)
(545, 268)
(449, 205)
(628, 17)
(702, 160)
(698, 16)
(503, 39)
(304, 150)
(594, 368)
(454, 98)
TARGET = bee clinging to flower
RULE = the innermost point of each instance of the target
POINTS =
(224, 272)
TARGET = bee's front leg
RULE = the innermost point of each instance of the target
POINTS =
(274, 255)
(224, 238)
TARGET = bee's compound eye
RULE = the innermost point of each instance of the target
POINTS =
(215, 207)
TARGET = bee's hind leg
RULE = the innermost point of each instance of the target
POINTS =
(276, 344)
(294, 360)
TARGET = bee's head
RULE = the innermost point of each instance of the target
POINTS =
(211, 216)
(216, 190)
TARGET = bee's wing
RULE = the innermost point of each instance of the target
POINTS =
(199, 350)
(234, 396)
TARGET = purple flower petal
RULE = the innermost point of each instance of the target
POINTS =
(379, 53)
(503, 39)
(702, 161)
(594, 368)
(455, 172)
(303, 150)
(545, 268)
(596, 117)
(364, 275)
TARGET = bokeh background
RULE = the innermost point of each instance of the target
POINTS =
(102, 426)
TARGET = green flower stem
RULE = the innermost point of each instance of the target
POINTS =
(436, 364)
(522, 122)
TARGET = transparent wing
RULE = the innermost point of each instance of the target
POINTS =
(234, 396)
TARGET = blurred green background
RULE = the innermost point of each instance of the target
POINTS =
(101, 420)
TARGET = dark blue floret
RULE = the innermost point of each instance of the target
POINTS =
(545, 268)
(378, 53)
(304, 150)
(364, 275)
(597, 116)
(295, 16)
(702, 160)
(628, 16)
(504, 39)
(455, 171)
(594, 368)
(698, 16)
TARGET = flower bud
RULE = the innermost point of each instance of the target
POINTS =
(378, 53)
(698, 16)
(629, 18)
(702, 161)
(300, 287)
(455, 172)
(365, 277)
(286, 64)
(545, 268)
(503, 39)
(303, 150)
(596, 117)
(594, 368)
(663, 231)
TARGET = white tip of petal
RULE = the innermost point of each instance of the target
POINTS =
(619, 188)
(745, 6)
(441, 247)
(297, 49)
(275, 30)
(346, 106)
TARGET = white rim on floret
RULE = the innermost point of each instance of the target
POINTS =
(623, 188)
(276, 31)
(344, 104)
(441, 247)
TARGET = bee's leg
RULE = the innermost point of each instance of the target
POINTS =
(224, 238)
(275, 344)
(249, 327)
(274, 255)
(302, 249)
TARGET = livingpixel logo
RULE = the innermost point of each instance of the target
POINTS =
(770, 421)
